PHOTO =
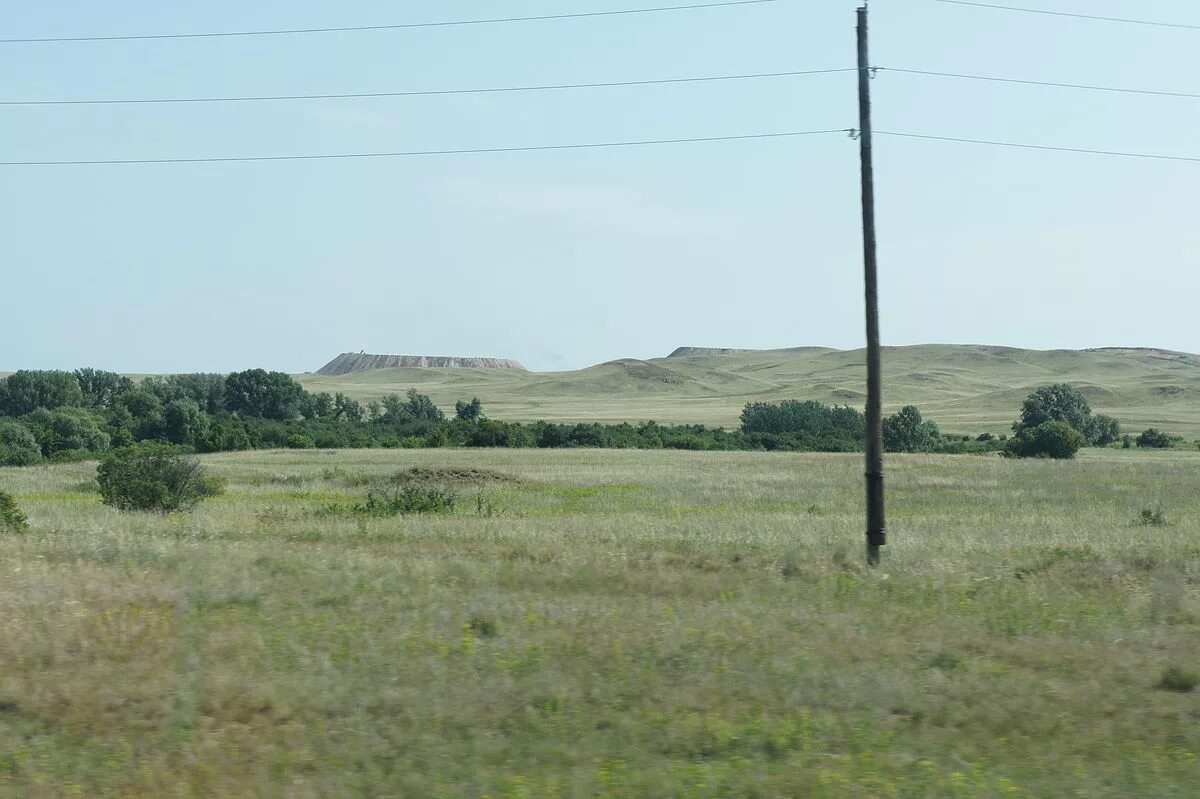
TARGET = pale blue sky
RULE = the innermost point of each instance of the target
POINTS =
(562, 259)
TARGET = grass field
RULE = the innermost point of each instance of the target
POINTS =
(966, 389)
(615, 624)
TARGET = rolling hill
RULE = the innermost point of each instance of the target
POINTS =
(965, 388)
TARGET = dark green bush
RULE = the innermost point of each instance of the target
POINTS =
(1154, 439)
(153, 477)
(1048, 440)
(1180, 681)
(12, 518)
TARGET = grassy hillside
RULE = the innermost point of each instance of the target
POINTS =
(965, 388)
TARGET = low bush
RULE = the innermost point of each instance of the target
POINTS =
(12, 518)
(1154, 439)
(406, 493)
(154, 477)
(1156, 517)
(1048, 440)
(1180, 681)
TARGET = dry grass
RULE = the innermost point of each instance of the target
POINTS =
(631, 624)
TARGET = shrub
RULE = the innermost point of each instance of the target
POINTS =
(1153, 518)
(300, 441)
(18, 447)
(153, 477)
(1154, 439)
(1179, 680)
(408, 493)
(1047, 440)
(12, 518)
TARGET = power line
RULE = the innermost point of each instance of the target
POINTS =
(1046, 147)
(430, 92)
(601, 145)
(1083, 86)
(421, 153)
(400, 26)
(1043, 11)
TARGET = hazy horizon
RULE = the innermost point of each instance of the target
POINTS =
(570, 258)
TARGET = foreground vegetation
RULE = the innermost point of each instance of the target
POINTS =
(608, 623)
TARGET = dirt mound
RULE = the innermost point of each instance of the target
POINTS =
(349, 362)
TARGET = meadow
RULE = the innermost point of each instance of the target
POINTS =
(609, 624)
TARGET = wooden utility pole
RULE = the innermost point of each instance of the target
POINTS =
(876, 521)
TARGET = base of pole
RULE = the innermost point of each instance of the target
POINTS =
(873, 551)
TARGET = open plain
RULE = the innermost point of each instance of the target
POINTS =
(609, 624)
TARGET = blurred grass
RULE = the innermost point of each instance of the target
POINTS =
(663, 624)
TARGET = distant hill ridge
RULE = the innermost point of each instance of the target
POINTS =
(703, 352)
(349, 362)
(968, 389)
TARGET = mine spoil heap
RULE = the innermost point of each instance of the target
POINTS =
(349, 362)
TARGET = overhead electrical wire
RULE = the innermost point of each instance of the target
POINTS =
(397, 26)
(429, 92)
(602, 145)
(1046, 147)
(1081, 86)
(1046, 12)
(423, 153)
(597, 85)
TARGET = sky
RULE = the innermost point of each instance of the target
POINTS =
(563, 259)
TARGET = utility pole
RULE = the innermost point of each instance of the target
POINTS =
(876, 521)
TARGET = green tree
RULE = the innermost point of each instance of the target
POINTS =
(906, 431)
(262, 394)
(414, 407)
(1105, 430)
(25, 391)
(346, 409)
(67, 430)
(101, 389)
(317, 406)
(184, 422)
(1057, 403)
(469, 411)
(153, 477)
(206, 390)
(18, 446)
(143, 414)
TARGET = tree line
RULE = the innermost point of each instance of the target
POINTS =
(63, 416)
